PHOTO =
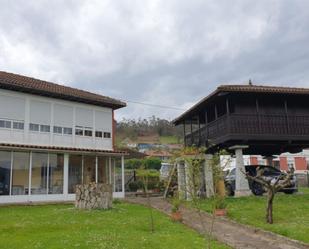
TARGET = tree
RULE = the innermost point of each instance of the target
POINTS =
(272, 186)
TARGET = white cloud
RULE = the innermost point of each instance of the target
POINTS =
(162, 52)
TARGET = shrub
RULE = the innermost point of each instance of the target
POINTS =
(134, 186)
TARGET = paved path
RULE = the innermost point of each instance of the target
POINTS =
(226, 231)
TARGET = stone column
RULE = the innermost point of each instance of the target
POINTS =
(188, 182)
(241, 182)
(181, 180)
(208, 173)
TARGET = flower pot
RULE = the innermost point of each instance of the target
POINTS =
(176, 216)
(220, 212)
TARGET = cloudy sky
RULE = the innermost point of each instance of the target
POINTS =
(163, 52)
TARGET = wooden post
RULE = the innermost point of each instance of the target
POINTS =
(184, 132)
(287, 116)
(228, 115)
(216, 112)
(206, 129)
(258, 114)
(199, 130)
(216, 117)
(191, 129)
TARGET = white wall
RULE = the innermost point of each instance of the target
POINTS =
(29, 108)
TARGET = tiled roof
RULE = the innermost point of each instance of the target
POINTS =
(59, 149)
(244, 89)
(263, 89)
(25, 84)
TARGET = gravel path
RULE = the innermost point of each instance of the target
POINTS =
(226, 231)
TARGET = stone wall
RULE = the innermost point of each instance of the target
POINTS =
(94, 196)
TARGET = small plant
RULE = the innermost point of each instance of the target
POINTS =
(176, 214)
(219, 206)
(176, 204)
(220, 203)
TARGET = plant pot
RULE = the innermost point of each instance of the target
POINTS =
(176, 216)
(220, 212)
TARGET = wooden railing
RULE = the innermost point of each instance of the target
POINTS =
(250, 124)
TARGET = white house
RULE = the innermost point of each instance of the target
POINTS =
(53, 137)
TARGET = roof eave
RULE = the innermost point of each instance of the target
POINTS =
(116, 105)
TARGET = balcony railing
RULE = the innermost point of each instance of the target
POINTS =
(250, 124)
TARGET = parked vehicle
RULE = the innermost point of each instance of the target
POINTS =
(257, 188)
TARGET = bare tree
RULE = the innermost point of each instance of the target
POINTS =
(272, 186)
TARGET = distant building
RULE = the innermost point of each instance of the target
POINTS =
(127, 142)
(160, 154)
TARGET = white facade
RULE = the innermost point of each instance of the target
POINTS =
(75, 147)
(34, 120)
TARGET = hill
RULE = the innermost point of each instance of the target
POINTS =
(153, 130)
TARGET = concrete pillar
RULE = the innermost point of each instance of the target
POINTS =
(241, 184)
(66, 174)
(122, 176)
(181, 180)
(208, 173)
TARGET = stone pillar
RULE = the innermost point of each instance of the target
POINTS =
(94, 196)
(188, 180)
(181, 180)
(241, 182)
(208, 173)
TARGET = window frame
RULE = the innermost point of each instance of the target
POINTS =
(107, 134)
(34, 125)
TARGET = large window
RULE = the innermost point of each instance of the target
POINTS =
(5, 172)
(5, 124)
(55, 180)
(89, 169)
(39, 173)
(103, 170)
(75, 172)
(20, 171)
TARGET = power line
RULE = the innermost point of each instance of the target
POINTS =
(154, 105)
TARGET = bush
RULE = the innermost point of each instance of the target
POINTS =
(147, 163)
(134, 186)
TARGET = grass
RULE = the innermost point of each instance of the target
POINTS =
(62, 226)
(291, 213)
(169, 140)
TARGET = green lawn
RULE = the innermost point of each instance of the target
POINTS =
(62, 226)
(291, 213)
(169, 140)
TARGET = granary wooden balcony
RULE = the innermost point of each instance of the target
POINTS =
(244, 127)
(270, 120)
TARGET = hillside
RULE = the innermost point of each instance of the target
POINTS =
(153, 130)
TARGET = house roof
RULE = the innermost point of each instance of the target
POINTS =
(60, 149)
(243, 89)
(158, 153)
(30, 85)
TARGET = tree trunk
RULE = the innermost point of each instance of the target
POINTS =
(269, 210)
